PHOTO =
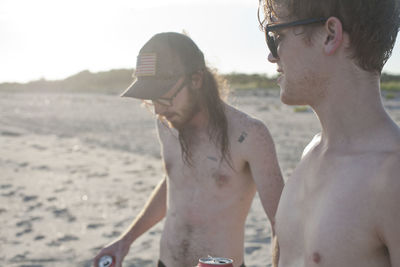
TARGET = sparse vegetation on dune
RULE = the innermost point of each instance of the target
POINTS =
(115, 81)
(393, 86)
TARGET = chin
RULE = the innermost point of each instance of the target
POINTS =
(287, 101)
(290, 100)
(285, 98)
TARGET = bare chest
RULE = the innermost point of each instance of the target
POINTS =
(327, 210)
(205, 167)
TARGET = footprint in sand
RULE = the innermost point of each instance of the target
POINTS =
(59, 190)
(94, 225)
(39, 147)
(113, 234)
(9, 194)
(33, 207)
(58, 242)
(41, 168)
(51, 199)
(121, 202)
(27, 224)
(23, 164)
(251, 249)
(262, 240)
(23, 232)
(68, 238)
(5, 186)
(29, 198)
(10, 134)
(19, 257)
(98, 175)
(53, 244)
(39, 237)
(63, 214)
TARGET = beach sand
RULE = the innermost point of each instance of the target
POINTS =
(77, 168)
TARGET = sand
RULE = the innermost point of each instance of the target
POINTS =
(77, 168)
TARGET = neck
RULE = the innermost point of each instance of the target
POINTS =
(351, 110)
(199, 121)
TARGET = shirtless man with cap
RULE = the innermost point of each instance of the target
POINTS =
(215, 156)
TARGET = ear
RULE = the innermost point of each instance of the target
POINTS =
(197, 79)
(334, 35)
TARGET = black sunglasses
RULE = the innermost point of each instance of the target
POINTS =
(270, 28)
(166, 101)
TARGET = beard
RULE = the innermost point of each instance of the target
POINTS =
(180, 120)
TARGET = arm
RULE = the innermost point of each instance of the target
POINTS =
(275, 252)
(153, 212)
(261, 155)
(388, 215)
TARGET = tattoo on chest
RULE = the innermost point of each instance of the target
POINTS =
(212, 158)
(242, 137)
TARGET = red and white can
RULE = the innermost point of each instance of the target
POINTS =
(211, 262)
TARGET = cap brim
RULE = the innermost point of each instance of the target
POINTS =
(149, 88)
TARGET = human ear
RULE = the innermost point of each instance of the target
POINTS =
(197, 80)
(334, 35)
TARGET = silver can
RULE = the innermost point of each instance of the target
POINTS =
(213, 261)
(105, 261)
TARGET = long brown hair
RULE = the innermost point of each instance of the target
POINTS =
(210, 97)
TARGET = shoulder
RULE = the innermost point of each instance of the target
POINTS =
(388, 166)
(240, 121)
(387, 189)
(389, 175)
(247, 132)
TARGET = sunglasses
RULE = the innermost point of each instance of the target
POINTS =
(271, 28)
(166, 101)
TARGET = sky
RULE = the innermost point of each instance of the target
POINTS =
(54, 39)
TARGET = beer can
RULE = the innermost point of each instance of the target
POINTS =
(212, 261)
(105, 261)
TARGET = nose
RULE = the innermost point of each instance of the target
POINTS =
(272, 59)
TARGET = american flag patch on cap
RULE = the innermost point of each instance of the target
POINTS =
(146, 64)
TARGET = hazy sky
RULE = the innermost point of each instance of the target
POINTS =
(54, 39)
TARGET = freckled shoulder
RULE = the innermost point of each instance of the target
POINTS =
(246, 129)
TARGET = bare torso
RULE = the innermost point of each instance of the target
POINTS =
(330, 210)
(207, 203)
(207, 208)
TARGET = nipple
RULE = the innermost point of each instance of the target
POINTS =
(316, 257)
